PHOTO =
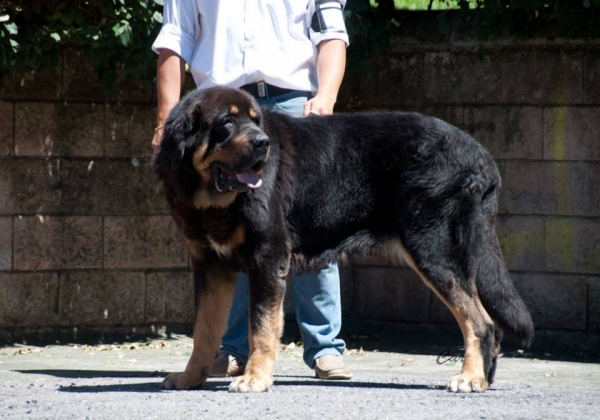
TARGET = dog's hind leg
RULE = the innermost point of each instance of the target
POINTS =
(460, 296)
(475, 324)
(214, 294)
(479, 337)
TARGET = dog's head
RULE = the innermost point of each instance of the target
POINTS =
(215, 137)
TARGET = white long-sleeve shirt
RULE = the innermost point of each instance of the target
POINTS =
(236, 42)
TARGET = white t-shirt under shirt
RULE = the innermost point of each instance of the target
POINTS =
(236, 42)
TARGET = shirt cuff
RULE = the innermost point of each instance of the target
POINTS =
(172, 38)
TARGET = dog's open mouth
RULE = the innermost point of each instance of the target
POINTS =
(236, 181)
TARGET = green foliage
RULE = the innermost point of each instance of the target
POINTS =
(370, 34)
(373, 23)
(116, 34)
(422, 4)
(554, 18)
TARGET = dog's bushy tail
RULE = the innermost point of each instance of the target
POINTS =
(496, 290)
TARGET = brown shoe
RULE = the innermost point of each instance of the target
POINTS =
(331, 366)
(226, 365)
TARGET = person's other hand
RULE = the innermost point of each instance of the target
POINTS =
(157, 138)
(319, 105)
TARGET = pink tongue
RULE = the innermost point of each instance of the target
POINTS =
(250, 178)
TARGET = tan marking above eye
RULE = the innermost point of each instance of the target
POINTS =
(234, 109)
(252, 113)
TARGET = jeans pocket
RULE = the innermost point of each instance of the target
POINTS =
(293, 107)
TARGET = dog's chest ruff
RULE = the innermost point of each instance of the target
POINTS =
(212, 229)
(223, 236)
(223, 250)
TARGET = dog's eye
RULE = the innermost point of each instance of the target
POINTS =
(255, 116)
(223, 131)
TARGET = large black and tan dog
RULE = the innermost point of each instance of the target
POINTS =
(260, 192)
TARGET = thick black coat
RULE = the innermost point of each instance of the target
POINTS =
(403, 184)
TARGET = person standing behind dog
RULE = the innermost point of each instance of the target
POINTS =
(291, 56)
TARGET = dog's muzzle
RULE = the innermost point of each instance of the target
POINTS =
(245, 175)
(226, 180)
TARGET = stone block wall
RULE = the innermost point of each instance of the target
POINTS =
(86, 240)
(85, 236)
(535, 105)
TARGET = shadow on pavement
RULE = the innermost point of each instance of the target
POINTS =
(136, 387)
(210, 385)
(356, 384)
(223, 386)
(74, 373)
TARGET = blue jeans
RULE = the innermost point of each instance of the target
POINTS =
(316, 296)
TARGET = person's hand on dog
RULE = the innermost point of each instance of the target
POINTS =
(321, 104)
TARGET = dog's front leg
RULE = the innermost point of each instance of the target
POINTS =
(214, 293)
(267, 290)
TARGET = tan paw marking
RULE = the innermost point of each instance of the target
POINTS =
(249, 383)
(466, 383)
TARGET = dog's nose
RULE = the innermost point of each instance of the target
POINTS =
(260, 142)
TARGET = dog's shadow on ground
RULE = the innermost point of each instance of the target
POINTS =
(212, 385)
(154, 387)
(90, 374)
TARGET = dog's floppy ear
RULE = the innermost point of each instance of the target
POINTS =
(180, 131)
(172, 147)
(177, 156)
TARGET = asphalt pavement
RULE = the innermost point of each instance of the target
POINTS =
(122, 381)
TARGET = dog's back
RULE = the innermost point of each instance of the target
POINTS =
(367, 174)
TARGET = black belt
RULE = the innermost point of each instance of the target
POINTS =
(265, 90)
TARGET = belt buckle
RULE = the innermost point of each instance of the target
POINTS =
(262, 89)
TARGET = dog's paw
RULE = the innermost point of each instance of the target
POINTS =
(179, 381)
(466, 383)
(250, 383)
